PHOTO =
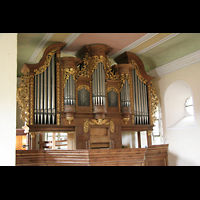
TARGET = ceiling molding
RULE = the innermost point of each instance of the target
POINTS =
(40, 46)
(177, 64)
(70, 39)
(157, 43)
(134, 44)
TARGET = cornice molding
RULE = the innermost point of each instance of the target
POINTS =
(134, 44)
(34, 56)
(70, 39)
(157, 43)
(177, 64)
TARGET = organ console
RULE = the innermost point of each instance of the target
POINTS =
(87, 95)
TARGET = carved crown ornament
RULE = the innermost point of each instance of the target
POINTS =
(87, 124)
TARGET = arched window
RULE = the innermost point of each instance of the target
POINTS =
(157, 134)
(178, 103)
(189, 106)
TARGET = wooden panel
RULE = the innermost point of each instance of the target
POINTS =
(20, 140)
(98, 131)
(157, 155)
(117, 157)
(30, 158)
(153, 156)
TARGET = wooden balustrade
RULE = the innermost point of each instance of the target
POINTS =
(155, 155)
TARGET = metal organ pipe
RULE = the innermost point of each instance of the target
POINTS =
(98, 85)
(53, 91)
(69, 91)
(140, 100)
(45, 95)
(125, 95)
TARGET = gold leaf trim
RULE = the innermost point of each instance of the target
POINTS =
(67, 72)
(46, 63)
(153, 103)
(109, 88)
(23, 98)
(87, 87)
(138, 72)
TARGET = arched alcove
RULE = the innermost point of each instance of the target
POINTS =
(174, 102)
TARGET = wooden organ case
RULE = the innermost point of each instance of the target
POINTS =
(87, 95)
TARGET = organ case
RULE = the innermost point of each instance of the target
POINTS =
(87, 95)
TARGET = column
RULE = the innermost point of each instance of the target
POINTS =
(33, 141)
(139, 139)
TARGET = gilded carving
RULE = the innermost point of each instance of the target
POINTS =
(112, 88)
(67, 72)
(138, 72)
(70, 119)
(110, 74)
(126, 120)
(31, 77)
(93, 62)
(84, 71)
(112, 126)
(46, 63)
(86, 126)
(58, 119)
(90, 63)
(123, 78)
(23, 98)
(153, 103)
(33, 134)
(58, 91)
(87, 87)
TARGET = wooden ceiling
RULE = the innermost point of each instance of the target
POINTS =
(159, 52)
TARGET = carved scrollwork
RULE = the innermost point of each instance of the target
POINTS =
(84, 71)
(23, 98)
(109, 88)
(110, 74)
(138, 72)
(87, 87)
(67, 72)
(123, 78)
(153, 103)
(94, 60)
(46, 63)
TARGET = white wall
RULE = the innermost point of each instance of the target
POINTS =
(8, 85)
(184, 144)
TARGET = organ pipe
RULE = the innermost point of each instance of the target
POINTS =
(140, 100)
(45, 83)
(69, 91)
(98, 86)
(125, 95)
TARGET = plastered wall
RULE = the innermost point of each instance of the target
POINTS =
(8, 87)
(184, 147)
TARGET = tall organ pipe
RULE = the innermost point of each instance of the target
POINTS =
(140, 100)
(125, 95)
(45, 95)
(69, 91)
(53, 91)
(98, 85)
(35, 106)
(41, 97)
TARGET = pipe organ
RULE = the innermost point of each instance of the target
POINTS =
(87, 95)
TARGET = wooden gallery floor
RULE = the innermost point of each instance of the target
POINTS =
(155, 155)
